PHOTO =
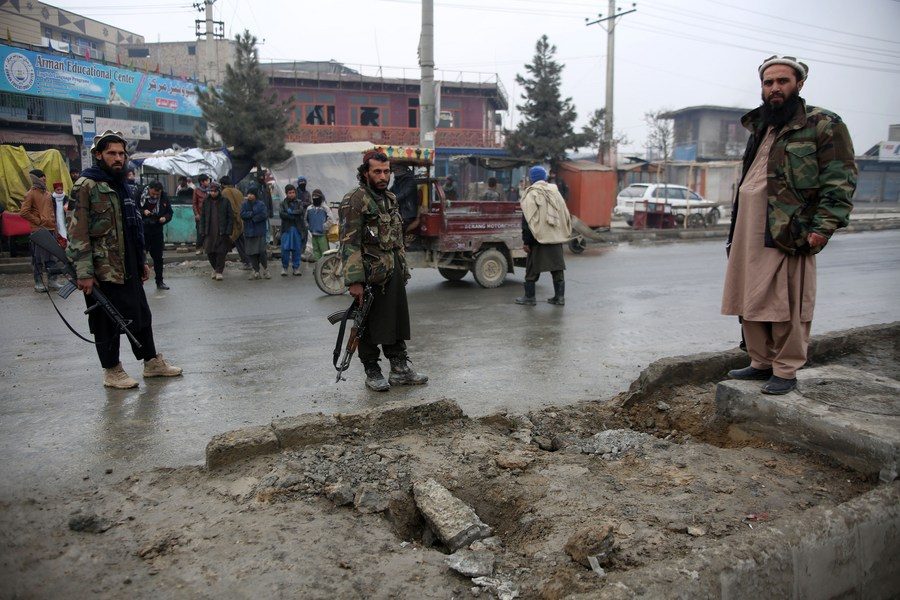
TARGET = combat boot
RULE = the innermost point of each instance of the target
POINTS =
(375, 380)
(116, 377)
(528, 298)
(160, 367)
(559, 293)
(402, 373)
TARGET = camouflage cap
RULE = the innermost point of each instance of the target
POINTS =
(109, 134)
(790, 61)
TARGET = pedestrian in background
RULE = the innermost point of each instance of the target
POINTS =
(317, 219)
(236, 199)
(38, 209)
(215, 225)
(546, 226)
(798, 179)
(184, 193)
(293, 231)
(156, 211)
(60, 206)
(198, 195)
(256, 219)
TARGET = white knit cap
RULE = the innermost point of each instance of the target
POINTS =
(790, 61)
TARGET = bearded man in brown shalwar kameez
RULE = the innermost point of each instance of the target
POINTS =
(798, 178)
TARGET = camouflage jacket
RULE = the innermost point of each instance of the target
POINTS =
(94, 227)
(811, 177)
(371, 230)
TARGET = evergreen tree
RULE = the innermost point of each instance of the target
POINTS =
(244, 112)
(546, 129)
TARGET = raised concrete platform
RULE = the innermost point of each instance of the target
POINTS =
(847, 414)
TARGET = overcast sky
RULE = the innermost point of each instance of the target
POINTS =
(669, 54)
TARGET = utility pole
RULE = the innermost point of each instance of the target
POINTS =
(208, 61)
(608, 154)
(426, 90)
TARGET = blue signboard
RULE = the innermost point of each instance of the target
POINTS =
(70, 78)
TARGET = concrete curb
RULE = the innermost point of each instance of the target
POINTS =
(713, 366)
(309, 429)
(847, 551)
(717, 232)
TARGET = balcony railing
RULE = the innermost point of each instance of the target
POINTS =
(398, 136)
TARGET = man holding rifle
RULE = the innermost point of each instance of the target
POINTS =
(106, 247)
(374, 259)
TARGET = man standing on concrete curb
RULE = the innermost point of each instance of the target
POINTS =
(373, 255)
(106, 246)
(546, 226)
(798, 179)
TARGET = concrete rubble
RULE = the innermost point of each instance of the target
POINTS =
(451, 519)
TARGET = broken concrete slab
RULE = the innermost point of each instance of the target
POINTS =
(847, 414)
(310, 429)
(240, 444)
(304, 430)
(472, 563)
(452, 520)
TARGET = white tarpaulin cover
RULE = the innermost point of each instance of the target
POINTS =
(189, 163)
(328, 167)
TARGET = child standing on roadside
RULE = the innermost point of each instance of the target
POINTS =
(317, 217)
(256, 217)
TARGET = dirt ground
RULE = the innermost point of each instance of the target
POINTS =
(339, 521)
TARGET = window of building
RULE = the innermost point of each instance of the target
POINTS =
(48, 33)
(318, 114)
(192, 50)
(65, 37)
(138, 52)
(369, 111)
(34, 108)
(413, 104)
(449, 119)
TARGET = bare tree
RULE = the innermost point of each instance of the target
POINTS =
(595, 134)
(660, 138)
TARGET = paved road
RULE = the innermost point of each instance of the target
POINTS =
(252, 351)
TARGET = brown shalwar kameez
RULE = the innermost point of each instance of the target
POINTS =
(773, 292)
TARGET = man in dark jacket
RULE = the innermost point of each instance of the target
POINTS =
(157, 211)
(199, 195)
(404, 188)
(215, 226)
(293, 231)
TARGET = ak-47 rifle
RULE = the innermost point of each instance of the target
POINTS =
(42, 238)
(358, 312)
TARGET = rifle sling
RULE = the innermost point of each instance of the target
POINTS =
(340, 338)
(64, 320)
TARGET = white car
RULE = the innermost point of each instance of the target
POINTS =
(685, 203)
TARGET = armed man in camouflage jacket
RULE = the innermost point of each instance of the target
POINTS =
(106, 246)
(372, 252)
(798, 180)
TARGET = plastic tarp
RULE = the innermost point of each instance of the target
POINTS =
(16, 162)
(189, 163)
(327, 167)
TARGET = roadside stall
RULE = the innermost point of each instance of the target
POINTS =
(167, 166)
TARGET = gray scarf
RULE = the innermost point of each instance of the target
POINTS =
(36, 182)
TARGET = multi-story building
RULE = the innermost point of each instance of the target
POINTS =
(203, 60)
(336, 103)
(41, 25)
(707, 133)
